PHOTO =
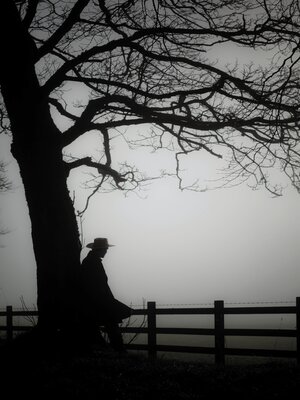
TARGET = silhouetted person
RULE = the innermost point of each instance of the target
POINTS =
(99, 307)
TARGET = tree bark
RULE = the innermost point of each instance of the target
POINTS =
(37, 148)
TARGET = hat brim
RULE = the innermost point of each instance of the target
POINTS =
(91, 246)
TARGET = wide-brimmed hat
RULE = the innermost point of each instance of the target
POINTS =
(99, 243)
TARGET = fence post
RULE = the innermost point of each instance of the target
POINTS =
(9, 323)
(298, 328)
(219, 332)
(151, 305)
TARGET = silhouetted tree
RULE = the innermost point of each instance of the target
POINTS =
(72, 67)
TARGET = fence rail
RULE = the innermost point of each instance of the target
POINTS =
(219, 331)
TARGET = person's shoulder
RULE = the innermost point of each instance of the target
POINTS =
(87, 258)
(91, 259)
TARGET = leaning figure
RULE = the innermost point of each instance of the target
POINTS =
(99, 306)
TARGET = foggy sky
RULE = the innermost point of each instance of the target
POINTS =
(171, 247)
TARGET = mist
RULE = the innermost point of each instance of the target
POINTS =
(171, 246)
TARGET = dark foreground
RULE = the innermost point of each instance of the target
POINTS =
(102, 374)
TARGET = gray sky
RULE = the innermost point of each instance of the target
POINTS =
(171, 247)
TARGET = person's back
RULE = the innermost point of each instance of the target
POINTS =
(94, 282)
(99, 307)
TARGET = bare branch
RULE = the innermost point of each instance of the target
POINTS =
(102, 169)
(63, 29)
(156, 66)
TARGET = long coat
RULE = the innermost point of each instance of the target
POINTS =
(98, 303)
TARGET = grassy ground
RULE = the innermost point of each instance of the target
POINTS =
(105, 375)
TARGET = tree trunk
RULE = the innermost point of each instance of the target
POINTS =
(37, 149)
(54, 229)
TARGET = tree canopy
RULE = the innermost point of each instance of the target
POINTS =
(156, 64)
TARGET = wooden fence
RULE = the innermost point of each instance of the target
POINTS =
(219, 331)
